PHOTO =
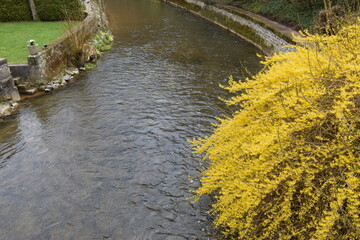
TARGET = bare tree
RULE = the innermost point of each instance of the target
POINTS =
(33, 10)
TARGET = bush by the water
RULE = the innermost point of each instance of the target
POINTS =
(103, 40)
(286, 164)
(15, 10)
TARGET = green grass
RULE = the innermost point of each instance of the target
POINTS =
(282, 11)
(15, 35)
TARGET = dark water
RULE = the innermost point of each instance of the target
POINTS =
(108, 157)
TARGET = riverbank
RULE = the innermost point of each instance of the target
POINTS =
(265, 34)
(110, 152)
(48, 69)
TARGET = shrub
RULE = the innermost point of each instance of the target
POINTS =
(15, 10)
(286, 164)
(329, 21)
(102, 41)
(90, 66)
(53, 10)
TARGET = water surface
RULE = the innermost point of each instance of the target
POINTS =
(108, 157)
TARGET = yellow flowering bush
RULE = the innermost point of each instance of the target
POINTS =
(286, 165)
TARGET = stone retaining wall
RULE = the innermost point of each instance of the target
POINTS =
(19, 71)
(8, 91)
(49, 62)
(266, 39)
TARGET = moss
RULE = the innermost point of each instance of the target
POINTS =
(89, 66)
(105, 48)
(15, 10)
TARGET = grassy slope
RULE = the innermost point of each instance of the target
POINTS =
(295, 14)
(14, 37)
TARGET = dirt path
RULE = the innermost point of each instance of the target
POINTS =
(275, 25)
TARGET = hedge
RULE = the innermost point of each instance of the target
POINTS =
(15, 10)
(48, 10)
(53, 10)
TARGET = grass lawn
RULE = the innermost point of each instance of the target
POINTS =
(15, 35)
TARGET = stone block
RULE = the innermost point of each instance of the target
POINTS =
(4, 69)
(16, 81)
(19, 70)
(23, 86)
(14, 93)
(30, 91)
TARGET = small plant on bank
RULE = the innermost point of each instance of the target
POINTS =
(103, 40)
(90, 66)
(286, 164)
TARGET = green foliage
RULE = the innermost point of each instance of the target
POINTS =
(286, 164)
(284, 11)
(53, 10)
(300, 13)
(90, 66)
(105, 48)
(15, 10)
(103, 40)
(48, 10)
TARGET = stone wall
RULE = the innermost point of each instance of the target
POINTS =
(8, 91)
(19, 71)
(51, 61)
(264, 37)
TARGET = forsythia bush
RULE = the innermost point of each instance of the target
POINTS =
(286, 165)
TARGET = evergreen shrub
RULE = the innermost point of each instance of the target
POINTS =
(53, 10)
(286, 164)
(15, 10)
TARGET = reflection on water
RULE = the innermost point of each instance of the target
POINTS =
(108, 158)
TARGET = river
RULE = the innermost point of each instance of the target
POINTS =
(107, 157)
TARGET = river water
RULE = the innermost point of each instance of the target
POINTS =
(108, 157)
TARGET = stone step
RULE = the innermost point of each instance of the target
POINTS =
(23, 86)
(5, 79)
(29, 91)
(16, 80)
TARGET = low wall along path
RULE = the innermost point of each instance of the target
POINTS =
(267, 35)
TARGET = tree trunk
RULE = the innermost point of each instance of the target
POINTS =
(33, 10)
